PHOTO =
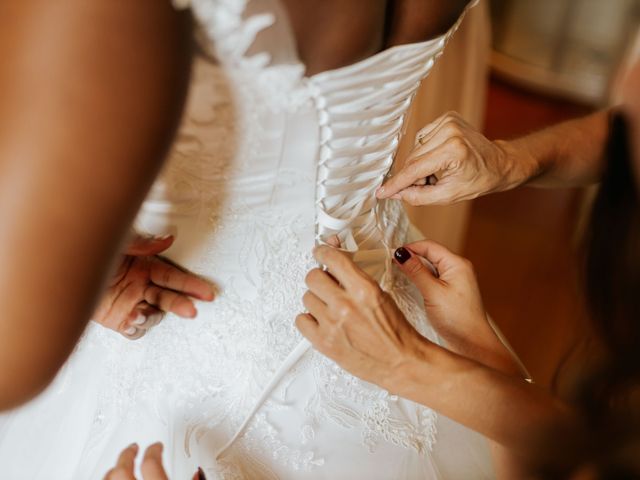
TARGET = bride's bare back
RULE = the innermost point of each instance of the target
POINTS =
(335, 33)
(90, 94)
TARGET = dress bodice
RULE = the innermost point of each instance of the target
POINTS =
(267, 163)
(336, 132)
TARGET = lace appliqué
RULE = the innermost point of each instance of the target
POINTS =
(228, 36)
(262, 440)
(354, 403)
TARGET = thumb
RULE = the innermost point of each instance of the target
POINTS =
(424, 277)
(141, 246)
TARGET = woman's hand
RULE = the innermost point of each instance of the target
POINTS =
(151, 467)
(452, 162)
(352, 321)
(145, 287)
(453, 303)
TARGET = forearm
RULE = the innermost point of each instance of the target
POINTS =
(563, 155)
(90, 94)
(483, 345)
(505, 409)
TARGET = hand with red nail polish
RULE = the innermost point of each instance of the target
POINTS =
(146, 286)
(352, 321)
(453, 302)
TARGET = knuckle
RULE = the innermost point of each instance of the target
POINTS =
(343, 309)
(151, 294)
(330, 339)
(300, 320)
(412, 169)
(311, 276)
(322, 253)
(451, 128)
(457, 143)
(167, 275)
(369, 292)
(413, 267)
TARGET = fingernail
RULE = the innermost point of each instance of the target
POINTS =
(201, 474)
(133, 446)
(131, 330)
(140, 320)
(402, 255)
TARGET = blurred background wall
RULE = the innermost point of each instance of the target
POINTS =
(513, 67)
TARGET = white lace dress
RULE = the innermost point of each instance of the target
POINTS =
(268, 162)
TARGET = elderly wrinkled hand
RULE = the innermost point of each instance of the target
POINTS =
(146, 286)
(452, 162)
(352, 321)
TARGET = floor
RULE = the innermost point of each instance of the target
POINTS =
(523, 242)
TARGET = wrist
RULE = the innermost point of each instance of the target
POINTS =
(417, 368)
(520, 166)
(482, 344)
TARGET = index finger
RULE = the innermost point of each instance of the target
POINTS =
(152, 468)
(167, 275)
(127, 458)
(339, 265)
(124, 467)
(422, 167)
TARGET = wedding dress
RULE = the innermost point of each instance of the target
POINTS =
(267, 163)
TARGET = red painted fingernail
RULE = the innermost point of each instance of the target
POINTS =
(201, 474)
(402, 255)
